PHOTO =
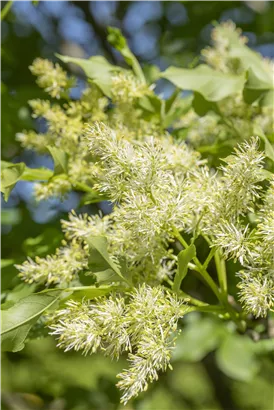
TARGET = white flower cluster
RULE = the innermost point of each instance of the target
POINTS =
(145, 327)
(154, 189)
(60, 268)
(145, 181)
(257, 278)
(153, 197)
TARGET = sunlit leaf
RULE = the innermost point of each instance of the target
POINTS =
(97, 68)
(212, 85)
(60, 159)
(259, 85)
(10, 174)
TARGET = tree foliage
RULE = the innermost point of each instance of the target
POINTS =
(190, 182)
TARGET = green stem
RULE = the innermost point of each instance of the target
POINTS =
(222, 297)
(209, 257)
(208, 309)
(137, 69)
(6, 9)
(221, 272)
(182, 294)
(84, 187)
(199, 266)
(207, 278)
(191, 299)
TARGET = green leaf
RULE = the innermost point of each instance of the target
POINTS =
(97, 68)
(6, 9)
(36, 174)
(42, 244)
(259, 85)
(202, 106)
(10, 174)
(7, 262)
(107, 276)
(19, 292)
(259, 77)
(100, 262)
(184, 257)
(152, 108)
(269, 150)
(198, 338)
(176, 106)
(92, 198)
(212, 85)
(151, 73)
(119, 42)
(87, 292)
(18, 320)
(264, 346)
(11, 216)
(236, 357)
(9, 274)
(257, 90)
(60, 159)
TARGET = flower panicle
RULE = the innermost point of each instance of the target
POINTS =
(144, 327)
(51, 77)
(83, 225)
(59, 269)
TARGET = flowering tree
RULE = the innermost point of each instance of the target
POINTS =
(190, 180)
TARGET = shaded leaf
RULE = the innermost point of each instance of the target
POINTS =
(7, 262)
(18, 320)
(264, 346)
(19, 292)
(100, 262)
(236, 357)
(198, 338)
(42, 244)
(11, 216)
(202, 106)
(9, 274)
